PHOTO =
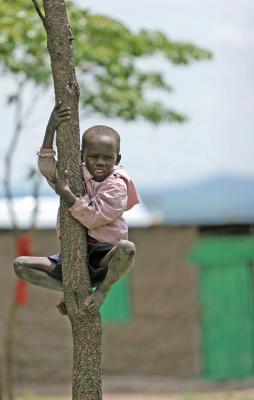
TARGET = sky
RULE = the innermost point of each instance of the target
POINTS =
(217, 96)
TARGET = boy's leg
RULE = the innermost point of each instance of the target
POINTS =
(120, 260)
(34, 270)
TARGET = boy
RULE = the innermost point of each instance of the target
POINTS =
(109, 192)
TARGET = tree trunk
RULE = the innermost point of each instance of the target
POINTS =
(86, 328)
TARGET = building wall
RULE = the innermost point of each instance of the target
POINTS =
(163, 337)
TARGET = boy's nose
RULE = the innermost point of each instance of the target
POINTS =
(100, 162)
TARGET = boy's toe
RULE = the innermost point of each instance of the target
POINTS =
(62, 308)
(91, 309)
(87, 304)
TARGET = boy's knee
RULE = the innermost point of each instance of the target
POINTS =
(127, 248)
(18, 265)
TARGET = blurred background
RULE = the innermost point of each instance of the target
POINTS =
(175, 80)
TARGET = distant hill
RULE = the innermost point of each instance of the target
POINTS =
(223, 199)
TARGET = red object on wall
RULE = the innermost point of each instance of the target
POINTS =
(23, 248)
(24, 245)
(21, 293)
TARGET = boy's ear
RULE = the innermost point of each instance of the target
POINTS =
(118, 159)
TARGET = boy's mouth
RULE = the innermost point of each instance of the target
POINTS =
(99, 171)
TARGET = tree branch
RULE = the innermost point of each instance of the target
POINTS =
(21, 117)
(9, 155)
(37, 7)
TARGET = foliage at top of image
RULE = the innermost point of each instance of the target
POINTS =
(107, 56)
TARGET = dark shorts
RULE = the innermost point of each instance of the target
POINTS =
(95, 252)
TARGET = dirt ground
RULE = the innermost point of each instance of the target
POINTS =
(152, 388)
(245, 395)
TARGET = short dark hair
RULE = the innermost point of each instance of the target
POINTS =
(101, 130)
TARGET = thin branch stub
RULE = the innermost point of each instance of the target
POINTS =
(37, 7)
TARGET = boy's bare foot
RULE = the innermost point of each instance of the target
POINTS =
(94, 301)
(61, 306)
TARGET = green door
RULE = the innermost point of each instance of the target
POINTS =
(226, 300)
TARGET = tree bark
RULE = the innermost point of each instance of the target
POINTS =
(86, 328)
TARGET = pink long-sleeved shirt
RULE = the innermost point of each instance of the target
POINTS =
(100, 210)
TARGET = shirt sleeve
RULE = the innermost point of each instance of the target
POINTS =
(47, 165)
(104, 208)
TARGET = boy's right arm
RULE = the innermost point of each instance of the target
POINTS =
(46, 161)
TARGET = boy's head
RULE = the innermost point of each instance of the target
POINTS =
(100, 151)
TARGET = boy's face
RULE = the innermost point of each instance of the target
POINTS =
(100, 156)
